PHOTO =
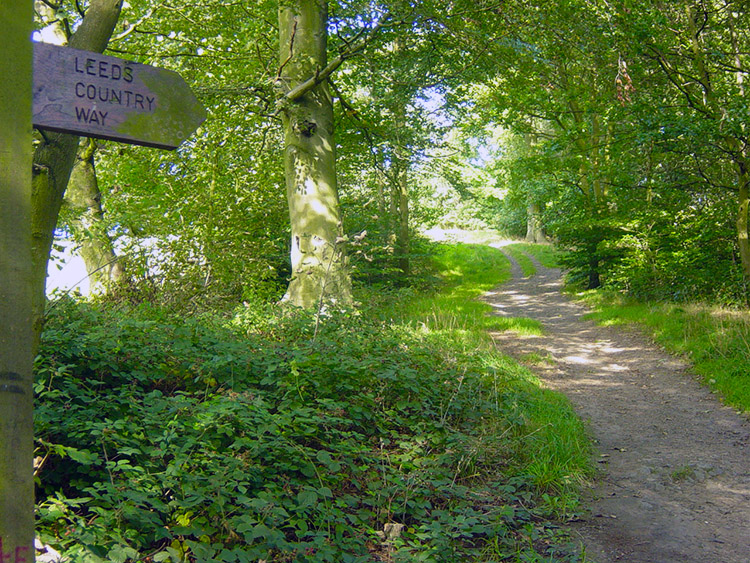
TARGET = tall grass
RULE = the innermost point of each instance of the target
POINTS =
(550, 442)
(519, 255)
(547, 255)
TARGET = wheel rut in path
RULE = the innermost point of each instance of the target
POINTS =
(674, 481)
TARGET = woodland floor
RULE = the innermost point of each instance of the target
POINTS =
(674, 463)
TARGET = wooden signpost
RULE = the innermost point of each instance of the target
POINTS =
(73, 92)
(100, 96)
(16, 350)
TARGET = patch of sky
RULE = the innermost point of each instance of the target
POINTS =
(433, 102)
(66, 271)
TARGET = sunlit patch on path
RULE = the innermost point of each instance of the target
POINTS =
(675, 463)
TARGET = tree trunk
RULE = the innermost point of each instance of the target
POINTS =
(534, 230)
(83, 196)
(595, 158)
(741, 164)
(55, 157)
(16, 341)
(743, 208)
(399, 219)
(404, 242)
(319, 269)
(594, 279)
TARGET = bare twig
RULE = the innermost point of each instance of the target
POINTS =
(291, 51)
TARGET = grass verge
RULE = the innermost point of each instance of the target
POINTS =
(715, 340)
(546, 254)
(393, 433)
(520, 255)
(553, 436)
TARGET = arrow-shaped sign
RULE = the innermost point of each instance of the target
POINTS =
(100, 96)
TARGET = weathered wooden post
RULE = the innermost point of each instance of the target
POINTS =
(16, 423)
(77, 92)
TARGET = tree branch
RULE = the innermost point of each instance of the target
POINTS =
(351, 111)
(132, 27)
(291, 51)
(669, 72)
(52, 4)
(321, 75)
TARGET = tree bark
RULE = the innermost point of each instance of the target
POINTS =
(741, 163)
(55, 157)
(534, 225)
(96, 249)
(743, 224)
(534, 230)
(398, 221)
(403, 241)
(319, 266)
(735, 146)
(16, 340)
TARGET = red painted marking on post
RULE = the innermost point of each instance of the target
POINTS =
(4, 557)
(21, 558)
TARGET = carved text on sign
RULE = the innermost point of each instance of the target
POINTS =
(106, 97)
(114, 72)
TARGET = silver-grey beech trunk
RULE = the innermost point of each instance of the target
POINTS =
(319, 268)
(16, 342)
(89, 231)
(534, 225)
(54, 158)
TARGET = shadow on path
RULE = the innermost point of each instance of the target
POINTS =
(675, 470)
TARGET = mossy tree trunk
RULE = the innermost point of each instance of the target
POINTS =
(55, 157)
(89, 230)
(319, 269)
(741, 161)
(713, 108)
(398, 219)
(401, 179)
(534, 202)
(16, 342)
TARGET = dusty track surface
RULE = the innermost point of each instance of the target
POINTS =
(674, 484)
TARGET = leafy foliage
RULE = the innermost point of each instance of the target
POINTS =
(298, 437)
(187, 439)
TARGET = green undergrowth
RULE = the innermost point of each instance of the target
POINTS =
(282, 437)
(716, 340)
(557, 457)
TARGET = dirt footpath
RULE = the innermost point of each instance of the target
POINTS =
(674, 484)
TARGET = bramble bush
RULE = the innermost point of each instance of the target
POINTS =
(162, 438)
